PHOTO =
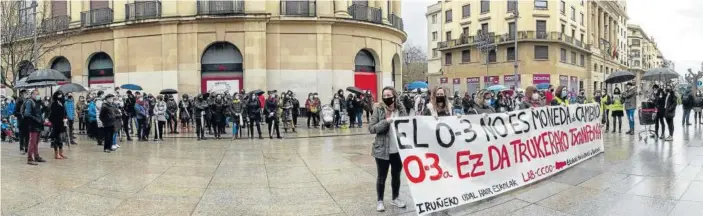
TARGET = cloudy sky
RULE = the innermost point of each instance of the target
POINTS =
(676, 25)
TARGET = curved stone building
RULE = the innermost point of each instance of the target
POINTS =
(194, 46)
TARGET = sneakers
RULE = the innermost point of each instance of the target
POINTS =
(398, 203)
(117, 145)
(380, 207)
(669, 138)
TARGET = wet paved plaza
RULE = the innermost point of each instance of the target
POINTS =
(331, 176)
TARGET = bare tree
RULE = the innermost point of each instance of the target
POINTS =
(692, 78)
(27, 34)
(415, 61)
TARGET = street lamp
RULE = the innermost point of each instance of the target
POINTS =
(516, 15)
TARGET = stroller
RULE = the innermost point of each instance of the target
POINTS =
(327, 116)
(647, 117)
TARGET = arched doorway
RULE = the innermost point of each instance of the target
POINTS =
(100, 72)
(396, 73)
(222, 66)
(62, 65)
(25, 68)
(365, 72)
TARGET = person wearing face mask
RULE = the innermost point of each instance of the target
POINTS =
(351, 110)
(218, 114)
(457, 108)
(659, 99)
(669, 112)
(313, 109)
(34, 121)
(483, 104)
(142, 117)
(21, 122)
(171, 114)
(617, 110)
(56, 116)
(184, 107)
(532, 99)
(109, 116)
(98, 104)
(287, 113)
(384, 151)
(236, 111)
(605, 101)
(70, 111)
(272, 120)
(253, 109)
(439, 104)
(630, 101)
(687, 100)
(581, 98)
(337, 106)
(560, 97)
(296, 107)
(81, 107)
(697, 108)
(160, 110)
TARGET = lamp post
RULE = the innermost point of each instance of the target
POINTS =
(516, 14)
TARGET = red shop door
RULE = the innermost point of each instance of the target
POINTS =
(366, 81)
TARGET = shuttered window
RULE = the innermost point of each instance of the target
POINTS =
(96, 4)
(58, 8)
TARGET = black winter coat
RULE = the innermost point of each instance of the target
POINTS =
(57, 114)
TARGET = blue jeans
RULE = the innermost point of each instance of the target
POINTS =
(686, 114)
(359, 117)
(631, 118)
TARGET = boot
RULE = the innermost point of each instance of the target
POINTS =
(39, 159)
(61, 154)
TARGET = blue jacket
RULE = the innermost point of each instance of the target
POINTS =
(70, 109)
(9, 109)
(141, 112)
(92, 112)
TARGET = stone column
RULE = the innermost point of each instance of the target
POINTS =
(384, 10)
(340, 8)
(397, 8)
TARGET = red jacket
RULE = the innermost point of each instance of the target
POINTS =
(262, 101)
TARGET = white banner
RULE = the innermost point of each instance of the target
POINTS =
(457, 160)
(222, 86)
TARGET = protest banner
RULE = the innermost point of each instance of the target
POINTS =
(453, 161)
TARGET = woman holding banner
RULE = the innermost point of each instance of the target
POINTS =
(483, 103)
(617, 110)
(439, 104)
(383, 149)
(560, 97)
(532, 99)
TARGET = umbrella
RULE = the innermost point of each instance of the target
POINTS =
(168, 91)
(417, 85)
(22, 84)
(131, 87)
(620, 76)
(257, 92)
(659, 74)
(496, 88)
(72, 87)
(542, 86)
(355, 90)
(42, 75)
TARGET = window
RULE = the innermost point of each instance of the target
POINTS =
(581, 19)
(636, 63)
(582, 37)
(465, 56)
(510, 54)
(573, 14)
(541, 52)
(434, 36)
(434, 18)
(448, 16)
(465, 31)
(636, 42)
(562, 55)
(485, 6)
(448, 58)
(541, 29)
(511, 30)
(484, 27)
(434, 53)
(573, 33)
(562, 7)
(541, 4)
(563, 28)
(582, 61)
(492, 56)
(465, 11)
(448, 35)
(601, 68)
(573, 58)
(512, 5)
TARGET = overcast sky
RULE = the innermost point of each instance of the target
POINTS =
(676, 25)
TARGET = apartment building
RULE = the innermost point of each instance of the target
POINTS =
(553, 44)
(643, 52)
(608, 20)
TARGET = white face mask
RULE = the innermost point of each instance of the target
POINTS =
(535, 96)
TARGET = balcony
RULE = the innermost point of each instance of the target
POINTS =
(365, 13)
(301, 8)
(467, 41)
(55, 24)
(142, 10)
(396, 21)
(95, 17)
(235, 7)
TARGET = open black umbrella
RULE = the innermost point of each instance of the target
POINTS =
(168, 91)
(72, 87)
(660, 74)
(43, 75)
(620, 77)
(257, 92)
(355, 90)
(22, 84)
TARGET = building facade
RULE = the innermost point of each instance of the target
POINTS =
(644, 53)
(608, 20)
(434, 29)
(552, 44)
(197, 46)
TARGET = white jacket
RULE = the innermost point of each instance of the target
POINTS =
(160, 111)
